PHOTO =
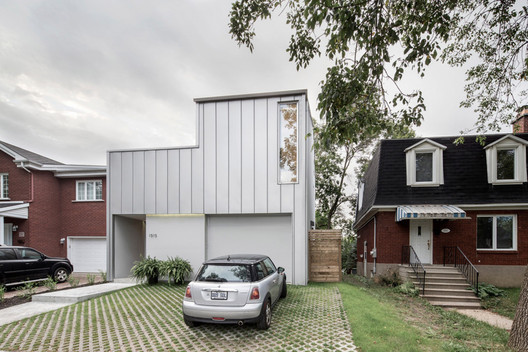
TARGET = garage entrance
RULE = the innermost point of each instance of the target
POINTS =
(271, 235)
(87, 254)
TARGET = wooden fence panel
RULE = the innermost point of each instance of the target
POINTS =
(324, 260)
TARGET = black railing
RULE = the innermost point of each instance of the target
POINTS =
(455, 256)
(409, 257)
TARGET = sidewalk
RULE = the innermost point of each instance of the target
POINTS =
(488, 317)
(45, 302)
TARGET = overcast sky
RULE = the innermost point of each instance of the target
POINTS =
(78, 78)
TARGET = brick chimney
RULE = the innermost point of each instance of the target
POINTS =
(521, 123)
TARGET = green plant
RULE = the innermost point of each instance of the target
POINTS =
(103, 275)
(488, 290)
(27, 290)
(390, 278)
(73, 281)
(2, 293)
(50, 284)
(348, 253)
(146, 269)
(175, 269)
(91, 279)
(408, 288)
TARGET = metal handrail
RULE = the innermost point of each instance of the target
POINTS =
(454, 255)
(410, 257)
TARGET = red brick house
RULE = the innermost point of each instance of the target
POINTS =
(434, 196)
(56, 208)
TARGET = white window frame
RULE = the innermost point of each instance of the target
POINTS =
(519, 167)
(95, 199)
(279, 179)
(425, 146)
(2, 191)
(494, 235)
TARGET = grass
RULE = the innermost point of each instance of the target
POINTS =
(384, 320)
(504, 305)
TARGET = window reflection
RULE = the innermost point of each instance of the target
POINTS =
(288, 143)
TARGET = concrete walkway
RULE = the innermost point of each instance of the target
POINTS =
(46, 302)
(486, 316)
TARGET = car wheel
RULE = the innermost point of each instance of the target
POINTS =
(190, 323)
(61, 274)
(284, 290)
(264, 321)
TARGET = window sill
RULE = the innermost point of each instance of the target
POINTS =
(512, 182)
(88, 201)
(5, 198)
(496, 251)
(425, 185)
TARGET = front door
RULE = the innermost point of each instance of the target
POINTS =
(421, 239)
(8, 234)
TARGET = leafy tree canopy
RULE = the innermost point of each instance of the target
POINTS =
(362, 38)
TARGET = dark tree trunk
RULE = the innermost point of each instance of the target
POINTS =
(519, 333)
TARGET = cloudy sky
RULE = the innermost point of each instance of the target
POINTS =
(78, 78)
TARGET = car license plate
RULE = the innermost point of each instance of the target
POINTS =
(220, 295)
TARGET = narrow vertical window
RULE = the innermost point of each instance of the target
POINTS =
(506, 164)
(288, 143)
(4, 186)
(424, 167)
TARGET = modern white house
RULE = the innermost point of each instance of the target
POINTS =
(246, 187)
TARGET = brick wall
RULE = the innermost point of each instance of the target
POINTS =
(19, 179)
(81, 218)
(392, 235)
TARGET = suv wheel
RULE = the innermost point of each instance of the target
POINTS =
(264, 321)
(61, 274)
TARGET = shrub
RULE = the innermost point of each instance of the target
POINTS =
(488, 290)
(103, 275)
(348, 253)
(408, 288)
(146, 269)
(390, 278)
(175, 269)
(91, 279)
(2, 293)
(27, 290)
(73, 281)
(50, 284)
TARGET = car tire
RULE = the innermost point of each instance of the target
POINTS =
(61, 274)
(284, 291)
(190, 323)
(264, 321)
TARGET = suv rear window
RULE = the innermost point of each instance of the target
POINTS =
(7, 254)
(225, 273)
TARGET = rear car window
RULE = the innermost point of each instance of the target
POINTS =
(7, 254)
(225, 273)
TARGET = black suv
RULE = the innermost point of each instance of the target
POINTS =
(20, 264)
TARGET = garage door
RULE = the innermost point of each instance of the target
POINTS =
(253, 234)
(87, 254)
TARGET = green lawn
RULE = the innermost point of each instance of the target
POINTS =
(383, 320)
(504, 305)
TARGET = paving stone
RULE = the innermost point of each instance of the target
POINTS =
(149, 318)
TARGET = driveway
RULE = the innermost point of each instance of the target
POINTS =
(144, 318)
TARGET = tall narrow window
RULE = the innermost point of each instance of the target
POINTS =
(505, 164)
(424, 167)
(4, 186)
(288, 143)
(90, 190)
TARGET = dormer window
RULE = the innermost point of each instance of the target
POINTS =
(506, 161)
(425, 164)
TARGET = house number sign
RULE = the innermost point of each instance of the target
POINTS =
(153, 235)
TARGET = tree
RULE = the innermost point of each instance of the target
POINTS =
(519, 332)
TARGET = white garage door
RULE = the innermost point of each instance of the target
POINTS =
(253, 234)
(87, 254)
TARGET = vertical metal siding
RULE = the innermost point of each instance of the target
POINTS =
(248, 156)
(150, 182)
(274, 189)
(261, 156)
(127, 189)
(209, 146)
(161, 182)
(185, 181)
(115, 181)
(138, 181)
(222, 158)
(173, 182)
(235, 157)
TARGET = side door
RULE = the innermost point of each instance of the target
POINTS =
(274, 279)
(7, 257)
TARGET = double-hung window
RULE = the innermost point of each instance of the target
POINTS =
(4, 186)
(89, 190)
(497, 232)
(425, 164)
(506, 161)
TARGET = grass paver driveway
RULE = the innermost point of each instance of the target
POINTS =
(149, 318)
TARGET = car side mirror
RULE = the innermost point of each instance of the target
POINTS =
(280, 270)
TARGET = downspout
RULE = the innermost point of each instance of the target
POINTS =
(31, 181)
(374, 250)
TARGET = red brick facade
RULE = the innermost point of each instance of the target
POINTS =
(392, 235)
(53, 213)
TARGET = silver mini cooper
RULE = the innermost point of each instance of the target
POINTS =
(234, 289)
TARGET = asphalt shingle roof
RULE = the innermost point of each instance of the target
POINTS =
(30, 156)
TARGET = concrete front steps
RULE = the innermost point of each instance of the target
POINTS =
(445, 287)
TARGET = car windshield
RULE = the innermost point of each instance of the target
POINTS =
(224, 273)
